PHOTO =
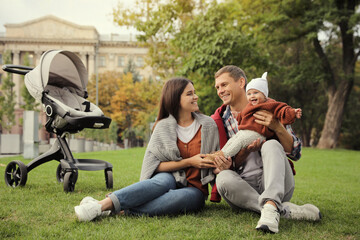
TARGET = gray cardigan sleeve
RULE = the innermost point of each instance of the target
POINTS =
(163, 147)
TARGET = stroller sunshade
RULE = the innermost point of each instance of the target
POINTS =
(57, 68)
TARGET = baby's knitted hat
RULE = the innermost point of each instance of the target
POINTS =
(259, 84)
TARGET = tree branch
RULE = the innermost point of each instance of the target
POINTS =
(325, 64)
(356, 57)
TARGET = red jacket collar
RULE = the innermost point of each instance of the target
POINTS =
(217, 116)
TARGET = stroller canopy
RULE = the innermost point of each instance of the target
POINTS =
(57, 68)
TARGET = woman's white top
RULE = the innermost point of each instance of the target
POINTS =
(185, 134)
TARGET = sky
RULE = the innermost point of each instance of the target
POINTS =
(95, 13)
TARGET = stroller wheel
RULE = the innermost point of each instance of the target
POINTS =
(70, 179)
(16, 174)
(109, 178)
(60, 172)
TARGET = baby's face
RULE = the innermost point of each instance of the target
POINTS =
(255, 96)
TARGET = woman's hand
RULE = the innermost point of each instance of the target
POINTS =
(198, 161)
(222, 163)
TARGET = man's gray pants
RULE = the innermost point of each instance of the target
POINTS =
(275, 182)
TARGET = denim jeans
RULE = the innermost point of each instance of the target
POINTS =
(157, 196)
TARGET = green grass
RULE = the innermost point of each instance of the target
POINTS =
(41, 210)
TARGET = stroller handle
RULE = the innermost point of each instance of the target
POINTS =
(16, 69)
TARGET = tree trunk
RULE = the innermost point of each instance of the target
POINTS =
(338, 95)
(336, 104)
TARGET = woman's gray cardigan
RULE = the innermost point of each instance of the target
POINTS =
(163, 147)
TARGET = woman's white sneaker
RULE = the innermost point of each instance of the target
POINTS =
(88, 211)
(91, 199)
(87, 200)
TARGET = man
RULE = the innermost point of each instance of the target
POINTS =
(264, 181)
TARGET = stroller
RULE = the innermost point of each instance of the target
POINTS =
(59, 82)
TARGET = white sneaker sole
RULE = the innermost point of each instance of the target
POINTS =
(267, 229)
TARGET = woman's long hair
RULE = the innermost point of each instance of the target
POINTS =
(170, 97)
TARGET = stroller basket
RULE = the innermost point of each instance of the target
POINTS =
(59, 82)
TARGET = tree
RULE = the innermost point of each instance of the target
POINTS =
(29, 101)
(131, 68)
(297, 74)
(260, 35)
(157, 23)
(7, 100)
(330, 27)
(132, 103)
(194, 39)
(340, 83)
(350, 129)
(210, 41)
(107, 86)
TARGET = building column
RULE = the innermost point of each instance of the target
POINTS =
(37, 57)
(17, 79)
(91, 66)
(83, 59)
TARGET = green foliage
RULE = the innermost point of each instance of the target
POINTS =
(211, 41)
(299, 81)
(29, 102)
(130, 103)
(41, 210)
(131, 68)
(327, 27)
(7, 99)
(196, 38)
(158, 23)
(350, 131)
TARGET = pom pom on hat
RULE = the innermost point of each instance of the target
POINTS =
(260, 84)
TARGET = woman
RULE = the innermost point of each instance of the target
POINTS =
(174, 175)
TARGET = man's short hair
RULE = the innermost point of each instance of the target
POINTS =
(235, 72)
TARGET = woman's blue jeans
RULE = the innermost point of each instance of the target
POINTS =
(157, 196)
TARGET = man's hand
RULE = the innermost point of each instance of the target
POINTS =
(222, 163)
(255, 145)
(267, 119)
(244, 153)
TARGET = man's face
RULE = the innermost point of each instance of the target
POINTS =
(228, 89)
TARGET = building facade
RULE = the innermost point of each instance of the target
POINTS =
(99, 53)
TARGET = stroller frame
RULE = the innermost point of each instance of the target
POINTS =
(67, 171)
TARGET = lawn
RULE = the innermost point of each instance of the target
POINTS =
(42, 210)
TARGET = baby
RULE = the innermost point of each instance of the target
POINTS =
(249, 131)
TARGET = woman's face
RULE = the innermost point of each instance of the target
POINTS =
(188, 99)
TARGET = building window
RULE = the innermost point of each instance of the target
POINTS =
(121, 61)
(139, 62)
(102, 61)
